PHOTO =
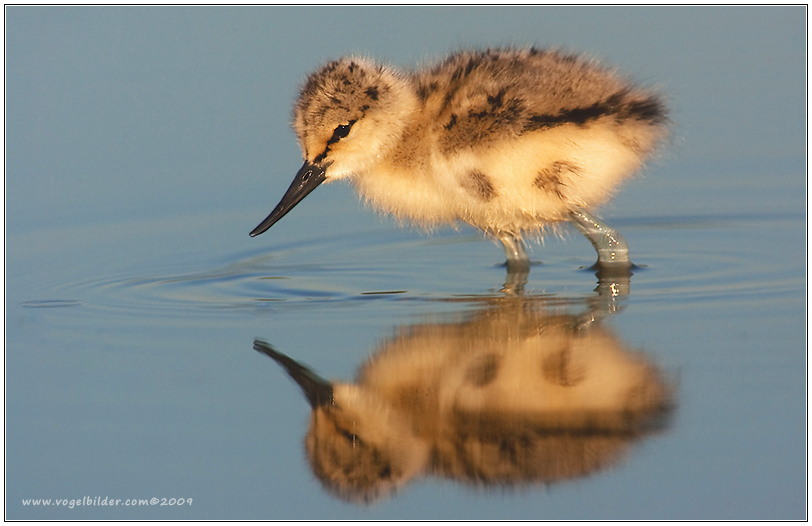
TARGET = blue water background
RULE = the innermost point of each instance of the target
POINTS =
(144, 143)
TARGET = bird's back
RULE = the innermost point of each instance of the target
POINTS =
(481, 96)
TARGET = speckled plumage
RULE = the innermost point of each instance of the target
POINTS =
(506, 140)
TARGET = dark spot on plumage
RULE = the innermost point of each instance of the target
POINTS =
(464, 69)
(508, 451)
(549, 183)
(477, 184)
(483, 372)
(513, 110)
(615, 99)
(581, 116)
(457, 73)
(578, 116)
(447, 100)
(550, 179)
(335, 100)
(348, 435)
(496, 100)
(318, 77)
(561, 369)
(372, 92)
(352, 67)
(423, 92)
(483, 122)
(649, 110)
(364, 108)
(472, 63)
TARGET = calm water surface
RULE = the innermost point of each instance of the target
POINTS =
(144, 144)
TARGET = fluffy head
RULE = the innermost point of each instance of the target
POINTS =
(349, 112)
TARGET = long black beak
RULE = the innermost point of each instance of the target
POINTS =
(319, 392)
(308, 178)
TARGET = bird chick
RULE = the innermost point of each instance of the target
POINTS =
(506, 140)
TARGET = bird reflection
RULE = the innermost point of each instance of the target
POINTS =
(516, 393)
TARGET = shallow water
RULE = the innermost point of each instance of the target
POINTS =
(134, 295)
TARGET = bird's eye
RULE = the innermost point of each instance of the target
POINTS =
(341, 131)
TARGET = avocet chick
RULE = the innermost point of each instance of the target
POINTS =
(506, 140)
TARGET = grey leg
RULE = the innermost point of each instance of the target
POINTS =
(610, 245)
(514, 251)
(518, 265)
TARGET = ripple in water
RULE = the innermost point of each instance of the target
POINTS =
(50, 304)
